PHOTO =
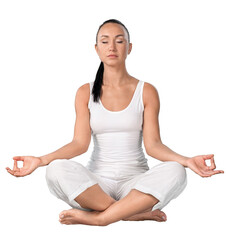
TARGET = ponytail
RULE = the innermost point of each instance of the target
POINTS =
(96, 91)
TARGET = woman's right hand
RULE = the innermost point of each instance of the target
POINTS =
(30, 163)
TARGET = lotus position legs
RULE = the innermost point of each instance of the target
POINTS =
(135, 206)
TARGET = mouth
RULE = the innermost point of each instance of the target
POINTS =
(112, 55)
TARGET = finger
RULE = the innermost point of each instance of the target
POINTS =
(15, 167)
(208, 156)
(18, 174)
(203, 171)
(205, 175)
(212, 163)
(217, 172)
(21, 173)
(11, 171)
(17, 170)
(18, 158)
(209, 173)
(214, 172)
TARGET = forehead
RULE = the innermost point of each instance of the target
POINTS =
(112, 29)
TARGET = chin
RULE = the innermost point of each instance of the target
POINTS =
(113, 62)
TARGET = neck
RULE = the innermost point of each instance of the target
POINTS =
(115, 76)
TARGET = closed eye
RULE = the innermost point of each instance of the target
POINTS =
(117, 42)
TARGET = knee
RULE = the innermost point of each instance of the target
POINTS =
(179, 172)
(53, 169)
(59, 168)
(103, 206)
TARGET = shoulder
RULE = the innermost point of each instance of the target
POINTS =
(150, 96)
(83, 93)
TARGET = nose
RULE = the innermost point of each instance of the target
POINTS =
(112, 46)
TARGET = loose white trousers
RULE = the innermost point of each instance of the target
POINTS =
(67, 179)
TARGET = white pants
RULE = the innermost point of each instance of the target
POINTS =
(67, 179)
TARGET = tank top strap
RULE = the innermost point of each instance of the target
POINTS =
(90, 94)
(137, 90)
(138, 95)
(90, 87)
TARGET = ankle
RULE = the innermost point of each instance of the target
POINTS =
(101, 221)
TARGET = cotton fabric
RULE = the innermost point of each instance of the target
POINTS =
(117, 162)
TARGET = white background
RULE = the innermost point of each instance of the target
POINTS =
(47, 53)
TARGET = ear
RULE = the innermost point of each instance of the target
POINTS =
(130, 48)
(96, 48)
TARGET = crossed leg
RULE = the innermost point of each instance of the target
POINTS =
(133, 207)
(136, 205)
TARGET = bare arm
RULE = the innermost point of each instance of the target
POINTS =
(78, 146)
(151, 133)
(154, 146)
(68, 151)
(164, 153)
(82, 130)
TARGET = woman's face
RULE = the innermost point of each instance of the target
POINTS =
(112, 39)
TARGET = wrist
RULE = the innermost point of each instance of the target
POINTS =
(43, 161)
(184, 161)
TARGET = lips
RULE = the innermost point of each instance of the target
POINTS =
(112, 55)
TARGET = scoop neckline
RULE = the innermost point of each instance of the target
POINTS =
(124, 108)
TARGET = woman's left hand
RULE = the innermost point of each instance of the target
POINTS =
(198, 165)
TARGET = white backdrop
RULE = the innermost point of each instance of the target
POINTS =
(47, 52)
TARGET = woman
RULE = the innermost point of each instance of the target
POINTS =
(117, 110)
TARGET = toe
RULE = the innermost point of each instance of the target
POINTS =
(158, 219)
(160, 215)
(63, 221)
(66, 222)
(163, 216)
(63, 214)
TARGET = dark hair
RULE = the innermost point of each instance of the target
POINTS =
(96, 90)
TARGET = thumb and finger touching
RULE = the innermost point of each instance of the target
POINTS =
(212, 166)
(16, 171)
(200, 167)
(29, 165)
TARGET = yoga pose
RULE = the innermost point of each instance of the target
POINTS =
(118, 111)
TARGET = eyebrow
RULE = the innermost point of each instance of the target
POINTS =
(119, 35)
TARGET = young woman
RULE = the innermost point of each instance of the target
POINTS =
(119, 111)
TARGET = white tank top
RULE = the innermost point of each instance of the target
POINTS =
(117, 138)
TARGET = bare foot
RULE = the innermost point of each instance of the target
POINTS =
(76, 216)
(155, 215)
